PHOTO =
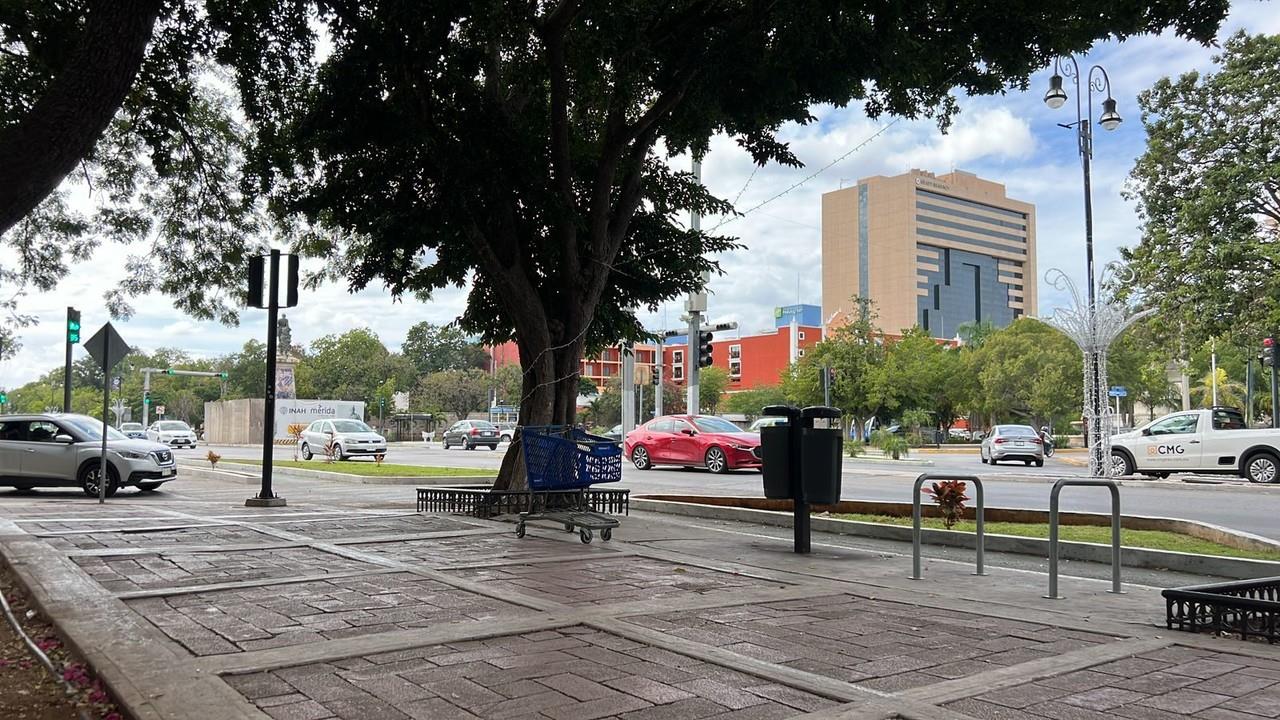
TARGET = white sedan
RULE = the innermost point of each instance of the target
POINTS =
(173, 433)
(348, 438)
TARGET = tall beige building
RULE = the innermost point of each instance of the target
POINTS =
(934, 251)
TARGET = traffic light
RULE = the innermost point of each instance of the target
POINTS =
(704, 349)
(655, 375)
(222, 375)
(169, 371)
(4, 398)
(1268, 356)
(73, 326)
(146, 397)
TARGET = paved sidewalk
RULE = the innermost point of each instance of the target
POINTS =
(345, 605)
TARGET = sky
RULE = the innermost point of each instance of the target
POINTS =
(1011, 138)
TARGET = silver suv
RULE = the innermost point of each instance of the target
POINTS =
(63, 451)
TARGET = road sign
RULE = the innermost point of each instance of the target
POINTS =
(107, 347)
(159, 409)
(1118, 391)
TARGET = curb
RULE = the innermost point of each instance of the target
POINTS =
(888, 461)
(253, 474)
(1234, 568)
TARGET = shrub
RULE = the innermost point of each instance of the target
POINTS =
(1061, 441)
(854, 448)
(213, 459)
(330, 449)
(950, 498)
(377, 459)
(295, 432)
(890, 444)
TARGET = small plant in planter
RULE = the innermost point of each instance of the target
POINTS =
(213, 459)
(950, 499)
(330, 449)
(295, 432)
(377, 459)
(895, 446)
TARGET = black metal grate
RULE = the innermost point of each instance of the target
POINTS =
(484, 502)
(1248, 608)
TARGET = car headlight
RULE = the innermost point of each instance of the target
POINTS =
(746, 448)
(133, 454)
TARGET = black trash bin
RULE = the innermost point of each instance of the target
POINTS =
(820, 460)
(775, 453)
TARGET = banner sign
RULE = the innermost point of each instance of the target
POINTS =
(304, 412)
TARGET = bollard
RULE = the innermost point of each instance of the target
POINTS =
(1053, 533)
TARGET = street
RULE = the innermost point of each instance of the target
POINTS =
(1229, 501)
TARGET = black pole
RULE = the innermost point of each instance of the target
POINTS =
(66, 369)
(1275, 388)
(106, 393)
(1095, 370)
(269, 400)
(800, 506)
(1248, 392)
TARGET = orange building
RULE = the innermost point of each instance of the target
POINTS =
(751, 361)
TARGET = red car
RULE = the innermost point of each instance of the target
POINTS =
(692, 441)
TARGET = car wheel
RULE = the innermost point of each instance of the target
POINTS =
(148, 487)
(1120, 465)
(1261, 468)
(1027, 463)
(444, 444)
(23, 487)
(493, 447)
(89, 479)
(337, 453)
(1040, 463)
(505, 438)
(716, 461)
(306, 452)
(640, 458)
(469, 446)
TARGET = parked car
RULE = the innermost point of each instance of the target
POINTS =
(65, 451)
(350, 438)
(506, 431)
(1212, 441)
(615, 432)
(1012, 442)
(470, 434)
(133, 431)
(172, 432)
(764, 422)
(692, 441)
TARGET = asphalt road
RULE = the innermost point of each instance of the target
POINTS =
(1228, 502)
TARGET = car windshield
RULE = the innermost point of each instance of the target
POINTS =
(172, 425)
(350, 426)
(713, 424)
(92, 428)
(1018, 431)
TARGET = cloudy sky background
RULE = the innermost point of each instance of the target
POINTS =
(1012, 139)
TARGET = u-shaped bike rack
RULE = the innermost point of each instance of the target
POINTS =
(1053, 532)
(915, 519)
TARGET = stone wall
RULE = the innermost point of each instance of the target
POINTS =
(233, 422)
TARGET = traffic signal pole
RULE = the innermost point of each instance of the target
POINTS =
(1275, 389)
(73, 337)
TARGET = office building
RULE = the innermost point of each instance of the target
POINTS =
(933, 251)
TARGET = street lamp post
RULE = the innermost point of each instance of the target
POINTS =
(1096, 80)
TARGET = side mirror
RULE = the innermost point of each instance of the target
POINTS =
(689, 432)
(1146, 431)
(63, 438)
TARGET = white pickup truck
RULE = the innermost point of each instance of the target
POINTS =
(1214, 441)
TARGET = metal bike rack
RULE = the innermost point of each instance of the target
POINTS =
(1053, 533)
(915, 519)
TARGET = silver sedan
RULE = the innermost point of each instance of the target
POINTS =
(1013, 442)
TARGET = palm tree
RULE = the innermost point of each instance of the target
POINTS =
(1229, 392)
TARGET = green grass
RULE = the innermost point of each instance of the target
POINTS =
(368, 468)
(1149, 539)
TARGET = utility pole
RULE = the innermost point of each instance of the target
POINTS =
(1275, 391)
(628, 389)
(1248, 392)
(657, 385)
(695, 305)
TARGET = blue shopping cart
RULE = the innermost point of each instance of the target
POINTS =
(563, 462)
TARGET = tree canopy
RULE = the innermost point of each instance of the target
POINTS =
(1208, 190)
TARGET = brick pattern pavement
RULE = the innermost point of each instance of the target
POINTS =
(440, 552)
(572, 674)
(212, 535)
(64, 524)
(228, 621)
(366, 526)
(1174, 683)
(882, 645)
(123, 573)
(605, 581)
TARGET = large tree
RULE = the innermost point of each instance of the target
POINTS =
(518, 144)
(1208, 188)
(432, 348)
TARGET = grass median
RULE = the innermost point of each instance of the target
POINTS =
(370, 468)
(1147, 539)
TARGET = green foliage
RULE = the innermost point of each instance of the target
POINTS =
(352, 366)
(712, 382)
(432, 348)
(856, 354)
(1208, 189)
(1027, 370)
(586, 388)
(894, 446)
(460, 392)
(750, 402)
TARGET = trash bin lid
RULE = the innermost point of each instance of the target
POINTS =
(819, 411)
(787, 411)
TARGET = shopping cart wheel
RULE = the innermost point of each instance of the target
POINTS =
(520, 530)
(585, 535)
(568, 527)
(606, 534)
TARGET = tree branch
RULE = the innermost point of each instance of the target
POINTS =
(66, 122)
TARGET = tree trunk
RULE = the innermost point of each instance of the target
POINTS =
(66, 122)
